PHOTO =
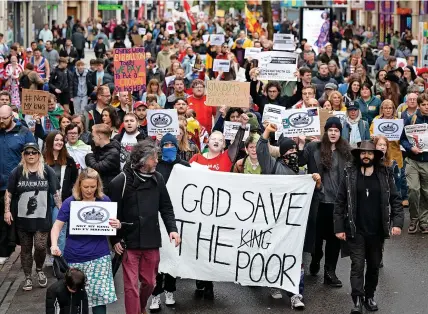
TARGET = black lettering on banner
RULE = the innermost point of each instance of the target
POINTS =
(212, 201)
(244, 197)
(182, 232)
(262, 205)
(267, 268)
(258, 238)
(218, 201)
(284, 272)
(217, 244)
(261, 270)
(210, 240)
(182, 199)
(276, 216)
(238, 266)
(293, 207)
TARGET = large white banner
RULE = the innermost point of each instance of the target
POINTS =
(247, 229)
(391, 129)
(277, 65)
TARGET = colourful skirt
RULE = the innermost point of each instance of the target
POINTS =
(100, 283)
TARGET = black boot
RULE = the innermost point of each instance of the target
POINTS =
(209, 294)
(370, 305)
(314, 267)
(331, 279)
(358, 305)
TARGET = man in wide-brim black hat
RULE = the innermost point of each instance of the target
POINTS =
(366, 223)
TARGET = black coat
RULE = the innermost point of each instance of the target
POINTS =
(62, 80)
(69, 303)
(106, 161)
(73, 54)
(345, 212)
(165, 168)
(91, 80)
(119, 32)
(140, 202)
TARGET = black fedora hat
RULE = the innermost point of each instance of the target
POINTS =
(390, 76)
(367, 146)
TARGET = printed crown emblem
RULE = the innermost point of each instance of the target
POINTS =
(93, 215)
(160, 120)
(388, 128)
(301, 120)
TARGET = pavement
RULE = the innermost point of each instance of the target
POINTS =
(401, 290)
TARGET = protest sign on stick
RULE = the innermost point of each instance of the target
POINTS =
(228, 93)
(34, 102)
(129, 69)
(238, 228)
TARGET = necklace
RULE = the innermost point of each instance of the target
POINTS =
(367, 192)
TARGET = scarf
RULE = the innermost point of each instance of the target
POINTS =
(179, 95)
(55, 115)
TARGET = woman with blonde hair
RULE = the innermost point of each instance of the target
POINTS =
(336, 101)
(186, 148)
(154, 88)
(28, 204)
(89, 253)
(387, 111)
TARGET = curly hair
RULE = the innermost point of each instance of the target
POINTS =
(342, 147)
(141, 152)
(232, 110)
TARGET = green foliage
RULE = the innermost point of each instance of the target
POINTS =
(237, 5)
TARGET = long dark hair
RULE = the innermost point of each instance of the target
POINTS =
(342, 147)
(48, 151)
(392, 93)
(350, 92)
(114, 117)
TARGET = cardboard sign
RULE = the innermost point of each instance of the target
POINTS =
(170, 27)
(34, 102)
(92, 218)
(283, 42)
(417, 134)
(221, 65)
(129, 69)
(240, 228)
(138, 41)
(216, 39)
(390, 128)
(228, 93)
(162, 121)
(231, 128)
(277, 65)
(252, 52)
(296, 122)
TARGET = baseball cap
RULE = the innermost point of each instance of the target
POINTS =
(331, 86)
(139, 104)
(32, 145)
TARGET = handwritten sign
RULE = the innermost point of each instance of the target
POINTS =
(162, 121)
(129, 69)
(417, 134)
(242, 228)
(230, 93)
(92, 218)
(296, 122)
(391, 129)
(34, 102)
(221, 65)
(231, 128)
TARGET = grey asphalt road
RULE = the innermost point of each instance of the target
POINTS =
(402, 289)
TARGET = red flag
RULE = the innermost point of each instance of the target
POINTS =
(141, 12)
(189, 13)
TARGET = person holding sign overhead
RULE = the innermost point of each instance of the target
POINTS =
(89, 253)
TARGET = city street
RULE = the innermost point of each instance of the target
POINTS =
(402, 289)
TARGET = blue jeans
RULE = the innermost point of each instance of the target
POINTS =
(63, 232)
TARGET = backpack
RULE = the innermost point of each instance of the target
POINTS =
(24, 82)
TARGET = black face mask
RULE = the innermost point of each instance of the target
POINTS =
(292, 161)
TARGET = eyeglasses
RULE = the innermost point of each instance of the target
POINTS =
(4, 119)
(28, 153)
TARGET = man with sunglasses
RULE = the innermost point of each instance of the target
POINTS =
(13, 136)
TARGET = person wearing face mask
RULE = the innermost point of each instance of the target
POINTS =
(355, 129)
(170, 158)
(328, 158)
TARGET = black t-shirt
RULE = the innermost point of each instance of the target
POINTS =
(32, 198)
(369, 214)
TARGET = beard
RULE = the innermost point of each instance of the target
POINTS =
(367, 164)
(5, 126)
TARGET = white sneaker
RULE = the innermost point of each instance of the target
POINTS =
(169, 298)
(3, 260)
(156, 302)
(275, 293)
(296, 302)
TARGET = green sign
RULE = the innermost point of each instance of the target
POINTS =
(110, 7)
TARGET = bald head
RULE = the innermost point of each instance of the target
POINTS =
(6, 118)
(5, 110)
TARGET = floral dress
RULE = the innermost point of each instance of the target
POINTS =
(11, 74)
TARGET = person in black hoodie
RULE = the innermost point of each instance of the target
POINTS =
(68, 294)
(170, 158)
(60, 83)
(100, 48)
(105, 158)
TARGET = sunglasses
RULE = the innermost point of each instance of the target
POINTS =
(28, 153)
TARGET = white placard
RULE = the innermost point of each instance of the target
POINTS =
(170, 27)
(221, 65)
(391, 129)
(297, 122)
(401, 62)
(277, 65)
(205, 38)
(216, 39)
(231, 128)
(237, 228)
(417, 134)
(141, 31)
(283, 42)
(273, 114)
(169, 79)
(92, 218)
(162, 121)
(252, 52)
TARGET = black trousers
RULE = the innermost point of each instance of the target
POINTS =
(6, 249)
(164, 282)
(365, 249)
(325, 231)
(207, 285)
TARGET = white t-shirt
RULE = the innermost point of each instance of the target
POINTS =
(126, 145)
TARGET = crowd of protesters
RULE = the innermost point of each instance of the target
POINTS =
(93, 145)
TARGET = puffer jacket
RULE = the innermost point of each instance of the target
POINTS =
(321, 82)
(345, 211)
(58, 296)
